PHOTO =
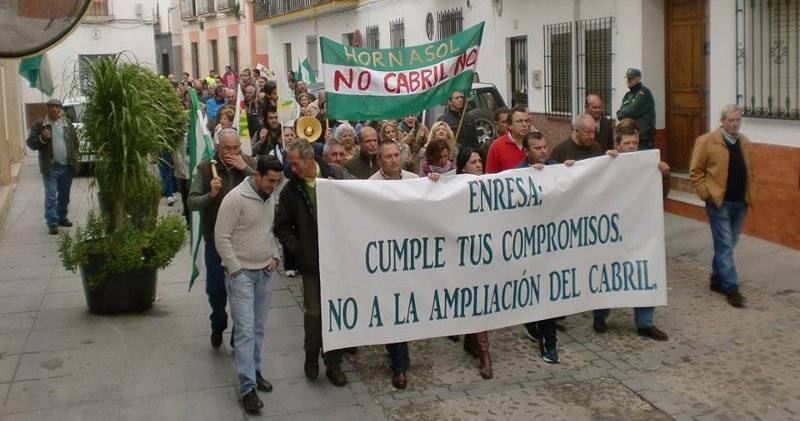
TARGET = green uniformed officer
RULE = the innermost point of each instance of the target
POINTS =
(639, 105)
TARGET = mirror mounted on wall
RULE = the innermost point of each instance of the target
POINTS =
(31, 26)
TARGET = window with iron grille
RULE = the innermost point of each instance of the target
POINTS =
(397, 33)
(594, 56)
(287, 55)
(519, 71)
(768, 58)
(195, 60)
(213, 58)
(373, 38)
(233, 52)
(311, 52)
(83, 69)
(449, 22)
(558, 69)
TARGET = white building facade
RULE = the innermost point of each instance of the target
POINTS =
(217, 33)
(109, 27)
(695, 56)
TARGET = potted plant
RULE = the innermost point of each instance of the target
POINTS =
(132, 116)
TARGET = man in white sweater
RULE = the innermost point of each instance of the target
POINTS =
(250, 254)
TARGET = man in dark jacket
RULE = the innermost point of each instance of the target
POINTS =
(55, 138)
(468, 135)
(268, 135)
(639, 105)
(296, 228)
(208, 189)
(363, 165)
(604, 128)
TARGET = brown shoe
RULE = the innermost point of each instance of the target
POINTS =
(399, 380)
(336, 376)
(486, 365)
(736, 299)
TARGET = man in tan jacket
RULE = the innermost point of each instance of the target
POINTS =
(722, 174)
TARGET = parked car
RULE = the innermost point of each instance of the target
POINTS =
(483, 101)
(73, 109)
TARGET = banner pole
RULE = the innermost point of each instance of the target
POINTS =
(461, 120)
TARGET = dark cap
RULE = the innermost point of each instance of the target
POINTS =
(632, 72)
(53, 101)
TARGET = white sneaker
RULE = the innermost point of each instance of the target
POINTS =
(290, 273)
(171, 200)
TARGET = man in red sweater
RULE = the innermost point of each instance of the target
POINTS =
(506, 151)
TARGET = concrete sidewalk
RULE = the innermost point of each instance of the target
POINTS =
(59, 362)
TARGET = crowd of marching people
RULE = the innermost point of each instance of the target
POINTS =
(259, 209)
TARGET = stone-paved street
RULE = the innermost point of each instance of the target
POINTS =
(58, 362)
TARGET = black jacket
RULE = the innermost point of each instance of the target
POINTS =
(605, 136)
(468, 136)
(295, 221)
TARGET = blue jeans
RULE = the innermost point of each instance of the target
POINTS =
(57, 184)
(167, 178)
(642, 315)
(726, 224)
(215, 288)
(249, 297)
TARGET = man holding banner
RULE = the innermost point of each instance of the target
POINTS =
(296, 228)
(626, 139)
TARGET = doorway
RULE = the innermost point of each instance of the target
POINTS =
(686, 77)
(165, 64)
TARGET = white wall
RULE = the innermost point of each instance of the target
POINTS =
(126, 32)
(653, 57)
(518, 18)
(638, 41)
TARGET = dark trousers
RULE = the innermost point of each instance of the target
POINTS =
(547, 328)
(183, 188)
(399, 354)
(57, 184)
(312, 321)
(289, 262)
(215, 288)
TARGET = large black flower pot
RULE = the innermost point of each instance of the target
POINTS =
(128, 292)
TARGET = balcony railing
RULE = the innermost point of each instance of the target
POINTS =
(205, 6)
(98, 8)
(227, 5)
(263, 9)
(187, 9)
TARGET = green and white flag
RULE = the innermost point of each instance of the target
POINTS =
(36, 69)
(200, 148)
(366, 84)
(305, 72)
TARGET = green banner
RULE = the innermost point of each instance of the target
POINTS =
(367, 84)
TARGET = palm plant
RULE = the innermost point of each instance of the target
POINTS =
(132, 116)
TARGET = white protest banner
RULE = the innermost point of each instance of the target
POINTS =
(405, 260)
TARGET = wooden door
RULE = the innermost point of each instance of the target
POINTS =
(687, 87)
